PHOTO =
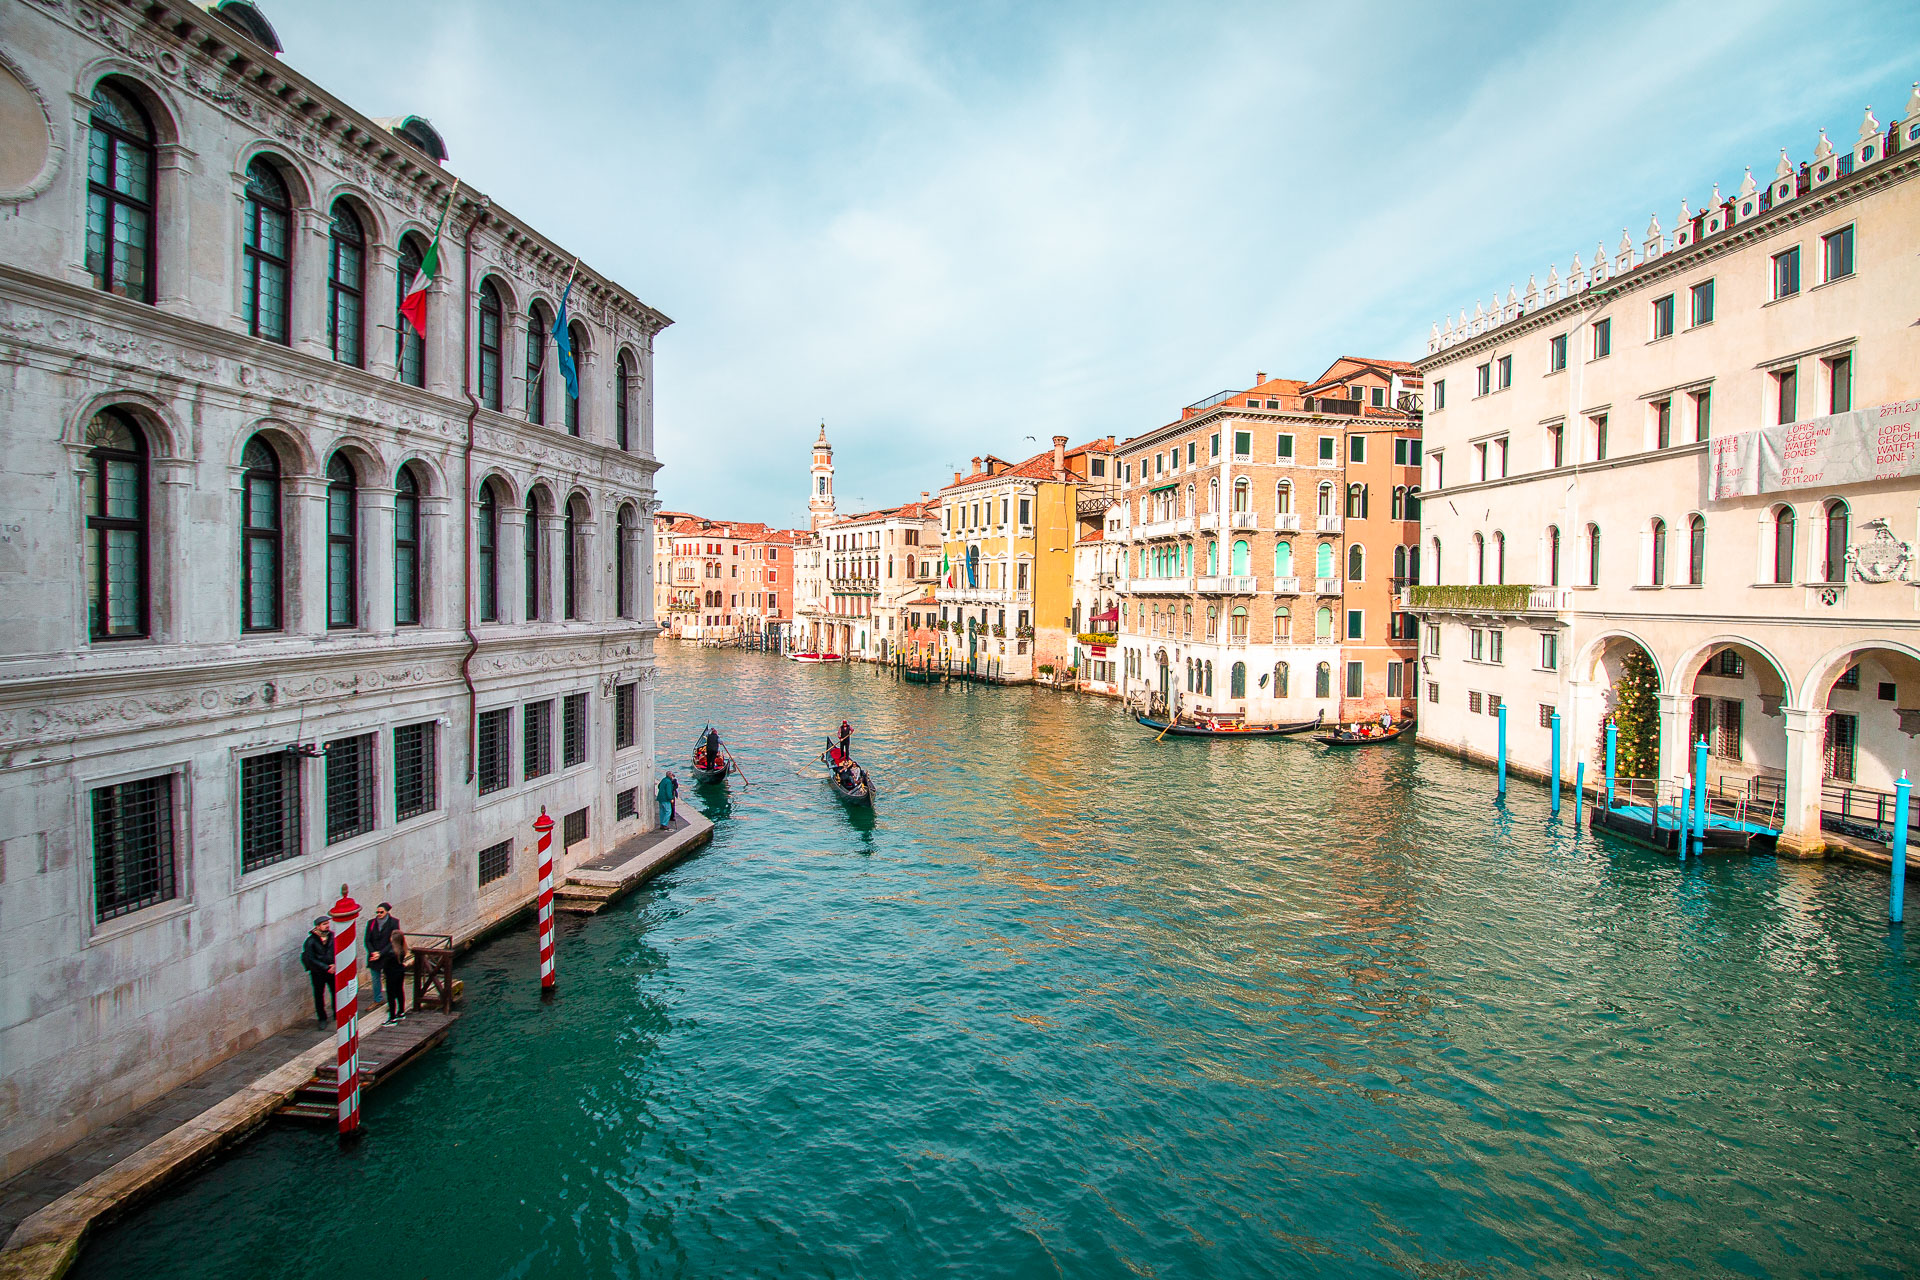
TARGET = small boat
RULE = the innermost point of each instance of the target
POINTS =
(814, 657)
(1348, 738)
(1176, 729)
(857, 796)
(927, 674)
(705, 770)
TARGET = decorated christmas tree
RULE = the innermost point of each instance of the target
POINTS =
(1636, 711)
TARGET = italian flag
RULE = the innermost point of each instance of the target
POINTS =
(946, 570)
(413, 307)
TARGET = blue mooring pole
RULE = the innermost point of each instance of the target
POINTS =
(1554, 724)
(1700, 796)
(1682, 820)
(1579, 792)
(1897, 902)
(1613, 736)
(1501, 794)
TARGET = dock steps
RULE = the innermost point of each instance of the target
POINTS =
(383, 1052)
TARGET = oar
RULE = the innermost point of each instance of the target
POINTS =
(1164, 732)
(734, 760)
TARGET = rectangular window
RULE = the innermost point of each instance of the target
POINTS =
(1483, 378)
(1836, 254)
(1433, 691)
(1506, 372)
(1433, 638)
(573, 730)
(1356, 448)
(1843, 737)
(626, 714)
(626, 804)
(1602, 338)
(536, 739)
(1556, 353)
(573, 828)
(349, 772)
(1786, 273)
(1726, 738)
(132, 846)
(1213, 445)
(1242, 443)
(1787, 394)
(1477, 644)
(1663, 317)
(1496, 646)
(1327, 454)
(1356, 679)
(1493, 704)
(494, 861)
(1396, 680)
(1283, 448)
(1500, 458)
(269, 809)
(1702, 414)
(1191, 446)
(492, 771)
(1439, 394)
(1700, 304)
(1546, 715)
(1662, 423)
(1600, 438)
(1557, 444)
(1379, 398)
(1356, 622)
(1026, 511)
(1473, 702)
(1731, 663)
(414, 776)
(1550, 650)
(1020, 576)
(1840, 384)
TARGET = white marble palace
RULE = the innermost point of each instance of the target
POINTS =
(1696, 456)
(290, 596)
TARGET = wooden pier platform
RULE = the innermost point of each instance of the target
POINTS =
(383, 1052)
(589, 887)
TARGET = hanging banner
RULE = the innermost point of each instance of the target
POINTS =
(1844, 448)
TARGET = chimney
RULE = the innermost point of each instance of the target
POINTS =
(957, 477)
(1059, 457)
(1259, 378)
(976, 466)
(924, 495)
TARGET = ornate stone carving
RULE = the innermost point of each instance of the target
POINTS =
(1881, 557)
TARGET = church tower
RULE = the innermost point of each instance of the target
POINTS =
(820, 500)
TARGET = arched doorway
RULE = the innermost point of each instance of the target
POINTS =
(1849, 742)
(1627, 678)
(1734, 696)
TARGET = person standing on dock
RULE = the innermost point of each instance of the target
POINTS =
(846, 739)
(381, 926)
(393, 967)
(667, 791)
(317, 958)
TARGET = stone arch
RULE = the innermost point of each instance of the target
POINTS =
(297, 456)
(433, 483)
(1680, 674)
(510, 490)
(154, 415)
(510, 302)
(588, 508)
(1587, 664)
(540, 491)
(1831, 665)
(154, 95)
(373, 222)
(301, 191)
(369, 464)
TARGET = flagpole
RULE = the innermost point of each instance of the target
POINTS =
(445, 209)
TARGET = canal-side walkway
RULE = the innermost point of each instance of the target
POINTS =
(592, 886)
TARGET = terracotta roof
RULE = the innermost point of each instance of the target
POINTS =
(1038, 467)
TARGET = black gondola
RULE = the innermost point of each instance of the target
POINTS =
(1178, 730)
(705, 770)
(1346, 738)
(859, 794)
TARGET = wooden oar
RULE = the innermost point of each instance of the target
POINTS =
(1164, 732)
(734, 761)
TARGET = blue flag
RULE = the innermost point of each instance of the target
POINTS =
(563, 342)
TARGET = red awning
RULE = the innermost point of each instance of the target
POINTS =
(1111, 615)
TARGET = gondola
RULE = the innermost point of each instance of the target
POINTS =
(857, 796)
(813, 657)
(924, 674)
(1178, 730)
(705, 770)
(1346, 738)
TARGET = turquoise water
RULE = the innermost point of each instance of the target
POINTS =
(1075, 1003)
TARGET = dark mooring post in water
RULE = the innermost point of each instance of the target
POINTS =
(1554, 724)
(1579, 792)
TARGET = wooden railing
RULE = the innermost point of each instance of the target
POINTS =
(432, 971)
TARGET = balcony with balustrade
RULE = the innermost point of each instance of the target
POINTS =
(1226, 585)
(1287, 522)
(1490, 600)
(1158, 586)
(1246, 520)
(1161, 529)
(1326, 586)
(1210, 522)
(1326, 524)
(1286, 586)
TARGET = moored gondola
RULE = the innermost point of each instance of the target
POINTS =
(1177, 729)
(1348, 738)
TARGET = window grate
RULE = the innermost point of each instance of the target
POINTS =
(349, 787)
(132, 846)
(573, 829)
(1546, 715)
(413, 771)
(494, 861)
(573, 730)
(536, 739)
(626, 714)
(627, 803)
(492, 770)
(269, 809)
(1473, 702)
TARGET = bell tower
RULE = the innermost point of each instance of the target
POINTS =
(820, 499)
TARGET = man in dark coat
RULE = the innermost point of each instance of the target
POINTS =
(846, 739)
(380, 928)
(317, 957)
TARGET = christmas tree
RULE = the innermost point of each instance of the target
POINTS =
(1636, 712)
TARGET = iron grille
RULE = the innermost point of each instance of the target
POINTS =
(413, 771)
(627, 803)
(269, 809)
(573, 730)
(626, 714)
(491, 770)
(494, 861)
(574, 829)
(132, 846)
(536, 739)
(349, 787)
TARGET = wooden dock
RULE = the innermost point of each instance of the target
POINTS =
(383, 1052)
(592, 885)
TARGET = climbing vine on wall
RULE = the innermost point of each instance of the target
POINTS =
(1636, 711)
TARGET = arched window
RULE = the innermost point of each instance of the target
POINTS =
(623, 401)
(1283, 498)
(1242, 491)
(537, 364)
(1190, 500)
(1325, 503)
(531, 540)
(1658, 570)
(1323, 681)
(1783, 544)
(1433, 563)
(1593, 555)
(260, 538)
(1413, 504)
(623, 563)
(410, 351)
(577, 346)
(406, 548)
(1553, 555)
(1413, 563)
(1479, 559)
(116, 553)
(492, 317)
(1213, 494)
(1283, 559)
(1696, 550)
(1213, 557)
(346, 285)
(1499, 556)
(1237, 629)
(343, 532)
(268, 252)
(120, 196)
(1280, 674)
(570, 555)
(1356, 502)
(486, 545)
(1323, 623)
(1838, 535)
(1399, 565)
(1242, 558)
(1237, 686)
(1323, 558)
(1399, 502)
(1356, 564)
(1209, 680)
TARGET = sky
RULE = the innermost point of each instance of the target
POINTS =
(957, 230)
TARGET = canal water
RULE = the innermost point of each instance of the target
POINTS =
(1076, 1003)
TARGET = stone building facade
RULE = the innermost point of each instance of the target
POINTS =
(289, 596)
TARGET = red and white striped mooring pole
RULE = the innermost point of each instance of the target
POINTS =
(544, 825)
(346, 1024)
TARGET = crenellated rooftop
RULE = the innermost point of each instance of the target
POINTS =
(1790, 182)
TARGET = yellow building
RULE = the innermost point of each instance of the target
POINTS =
(1008, 532)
